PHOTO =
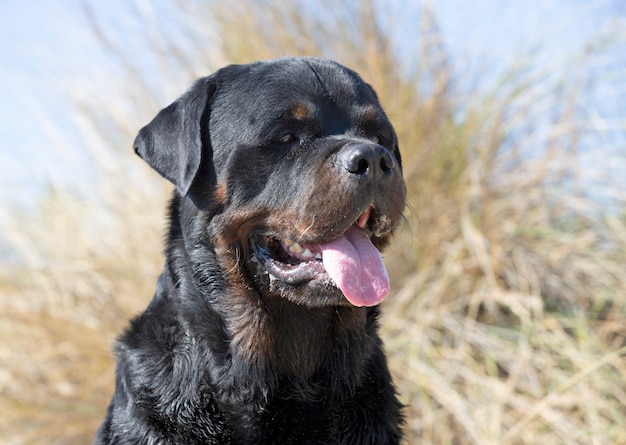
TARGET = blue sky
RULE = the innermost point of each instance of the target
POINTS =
(45, 47)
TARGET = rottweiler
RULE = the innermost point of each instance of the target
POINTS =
(263, 326)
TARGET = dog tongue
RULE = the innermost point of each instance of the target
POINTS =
(357, 268)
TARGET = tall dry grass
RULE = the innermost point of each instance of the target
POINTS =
(508, 319)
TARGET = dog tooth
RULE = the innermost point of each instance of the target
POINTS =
(295, 247)
(307, 254)
(318, 256)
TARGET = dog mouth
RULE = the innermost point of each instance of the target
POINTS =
(349, 261)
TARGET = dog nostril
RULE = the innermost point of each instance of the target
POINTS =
(386, 162)
(361, 167)
(367, 160)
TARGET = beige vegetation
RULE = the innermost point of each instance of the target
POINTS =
(507, 323)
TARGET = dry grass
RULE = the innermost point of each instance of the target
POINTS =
(508, 320)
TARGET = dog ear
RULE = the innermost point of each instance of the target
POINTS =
(172, 143)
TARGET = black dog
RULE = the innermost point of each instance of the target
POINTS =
(263, 328)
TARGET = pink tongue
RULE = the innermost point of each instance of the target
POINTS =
(357, 268)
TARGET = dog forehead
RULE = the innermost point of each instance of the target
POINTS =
(281, 83)
(251, 99)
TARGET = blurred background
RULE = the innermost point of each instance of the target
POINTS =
(507, 320)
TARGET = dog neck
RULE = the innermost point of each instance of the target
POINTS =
(309, 339)
(299, 343)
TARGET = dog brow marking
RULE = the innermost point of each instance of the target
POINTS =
(370, 113)
(302, 111)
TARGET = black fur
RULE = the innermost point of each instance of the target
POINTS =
(226, 352)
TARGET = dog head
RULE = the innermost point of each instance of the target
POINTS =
(294, 175)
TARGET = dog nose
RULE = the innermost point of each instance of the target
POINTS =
(367, 161)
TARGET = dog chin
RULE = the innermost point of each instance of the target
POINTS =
(315, 293)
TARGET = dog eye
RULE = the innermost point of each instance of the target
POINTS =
(286, 138)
